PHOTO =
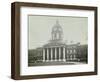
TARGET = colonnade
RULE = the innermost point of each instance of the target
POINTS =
(54, 54)
(57, 54)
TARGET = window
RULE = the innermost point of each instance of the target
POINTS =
(74, 51)
(70, 51)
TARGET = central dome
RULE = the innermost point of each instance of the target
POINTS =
(57, 32)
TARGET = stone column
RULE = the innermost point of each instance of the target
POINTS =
(51, 55)
(55, 54)
(59, 54)
(64, 54)
(43, 55)
(47, 54)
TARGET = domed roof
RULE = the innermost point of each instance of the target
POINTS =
(57, 32)
(56, 36)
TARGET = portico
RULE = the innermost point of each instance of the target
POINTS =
(54, 54)
(56, 49)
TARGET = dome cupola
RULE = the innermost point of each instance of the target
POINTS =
(57, 32)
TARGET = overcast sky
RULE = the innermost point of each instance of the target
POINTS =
(39, 29)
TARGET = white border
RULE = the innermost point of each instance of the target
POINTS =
(25, 70)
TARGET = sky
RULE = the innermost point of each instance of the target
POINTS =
(39, 29)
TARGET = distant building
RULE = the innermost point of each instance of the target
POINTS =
(57, 50)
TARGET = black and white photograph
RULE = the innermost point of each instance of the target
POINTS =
(53, 40)
(57, 40)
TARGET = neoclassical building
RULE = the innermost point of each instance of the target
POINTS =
(56, 49)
